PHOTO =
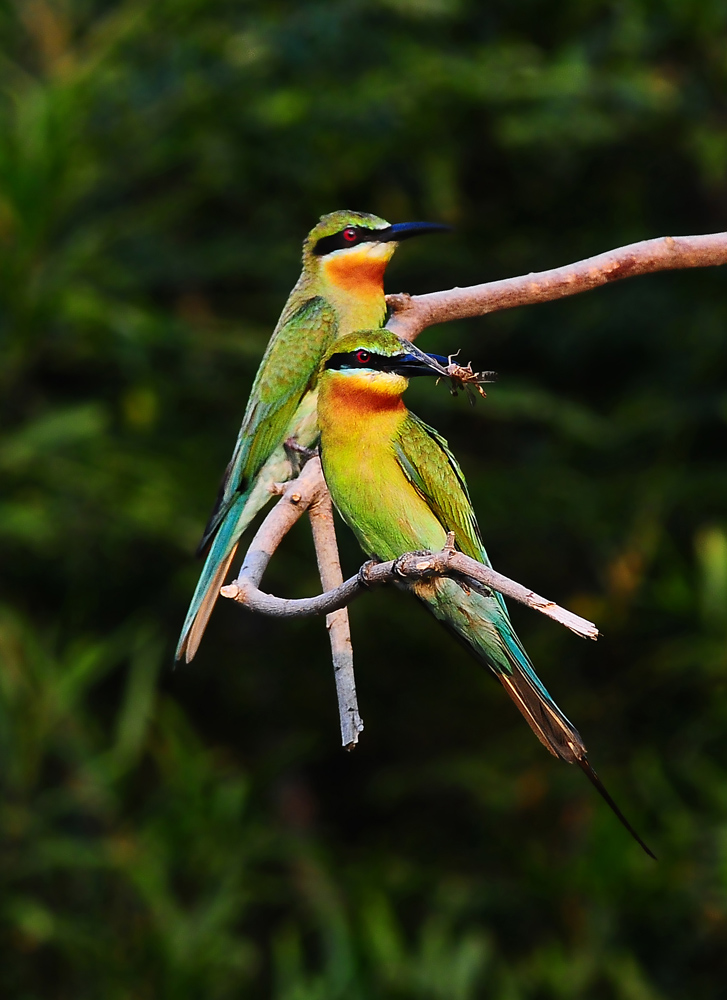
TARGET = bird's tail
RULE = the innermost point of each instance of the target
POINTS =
(303, 428)
(557, 733)
(480, 621)
(221, 553)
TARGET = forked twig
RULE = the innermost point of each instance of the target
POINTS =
(308, 492)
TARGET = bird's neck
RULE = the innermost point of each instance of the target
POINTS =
(351, 412)
(354, 285)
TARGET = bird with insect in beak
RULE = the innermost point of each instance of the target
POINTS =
(340, 289)
(399, 488)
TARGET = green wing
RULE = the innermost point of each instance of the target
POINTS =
(287, 370)
(432, 469)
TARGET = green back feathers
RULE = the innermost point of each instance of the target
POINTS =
(434, 472)
(288, 370)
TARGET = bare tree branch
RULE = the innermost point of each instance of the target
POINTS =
(308, 492)
(339, 630)
(410, 566)
(413, 313)
(296, 496)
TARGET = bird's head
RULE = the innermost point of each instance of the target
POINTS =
(377, 363)
(350, 250)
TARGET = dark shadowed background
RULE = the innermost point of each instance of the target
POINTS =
(199, 832)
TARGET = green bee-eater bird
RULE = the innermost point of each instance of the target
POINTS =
(399, 488)
(340, 289)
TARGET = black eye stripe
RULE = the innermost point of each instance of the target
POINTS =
(377, 362)
(327, 244)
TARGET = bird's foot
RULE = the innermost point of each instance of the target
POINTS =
(364, 577)
(297, 455)
(418, 564)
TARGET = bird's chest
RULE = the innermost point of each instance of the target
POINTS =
(358, 456)
(358, 307)
(371, 491)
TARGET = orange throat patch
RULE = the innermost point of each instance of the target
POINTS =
(354, 398)
(360, 274)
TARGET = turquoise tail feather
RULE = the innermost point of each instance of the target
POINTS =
(303, 429)
(221, 553)
(481, 623)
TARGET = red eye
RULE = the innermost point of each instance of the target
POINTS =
(362, 357)
(350, 235)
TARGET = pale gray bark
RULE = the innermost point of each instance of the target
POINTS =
(307, 492)
(339, 629)
(413, 313)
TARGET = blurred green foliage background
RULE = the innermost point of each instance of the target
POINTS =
(199, 832)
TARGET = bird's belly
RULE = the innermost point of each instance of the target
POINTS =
(380, 505)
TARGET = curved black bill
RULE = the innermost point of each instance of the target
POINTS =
(405, 230)
(419, 363)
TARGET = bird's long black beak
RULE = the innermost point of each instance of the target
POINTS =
(405, 230)
(416, 362)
